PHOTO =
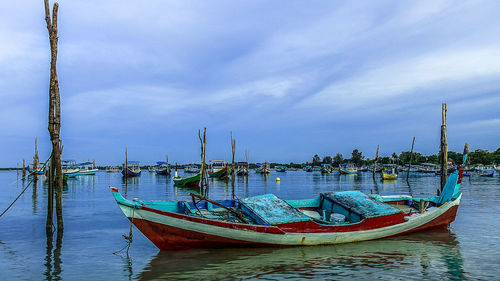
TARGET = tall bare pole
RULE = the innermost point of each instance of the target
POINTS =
(168, 169)
(54, 128)
(204, 175)
(411, 155)
(24, 170)
(375, 163)
(36, 161)
(233, 148)
(444, 149)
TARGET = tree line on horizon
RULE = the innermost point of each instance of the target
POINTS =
(479, 156)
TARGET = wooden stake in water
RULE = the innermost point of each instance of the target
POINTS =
(375, 164)
(444, 149)
(411, 155)
(24, 170)
(233, 148)
(36, 161)
(54, 128)
(203, 171)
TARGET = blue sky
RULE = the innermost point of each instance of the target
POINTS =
(290, 78)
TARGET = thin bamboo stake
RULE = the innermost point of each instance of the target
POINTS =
(411, 155)
(444, 149)
(24, 170)
(375, 163)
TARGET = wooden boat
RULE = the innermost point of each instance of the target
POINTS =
(69, 168)
(326, 169)
(191, 169)
(266, 220)
(308, 169)
(389, 176)
(39, 170)
(111, 169)
(131, 169)
(162, 168)
(190, 181)
(487, 173)
(348, 169)
(281, 169)
(87, 169)
(219, 169)
(263, 169)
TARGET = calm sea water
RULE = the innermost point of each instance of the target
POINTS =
(94, 226)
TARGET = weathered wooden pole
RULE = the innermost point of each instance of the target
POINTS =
(233, 148)
(375, 163)
(17, 169)
(168, 170)
(246, 159)
(93, 163)
(444, 149)
(36, 161)
(126, 163)
(54, 128)
(24, 170)
(411, 155)
(204, 175)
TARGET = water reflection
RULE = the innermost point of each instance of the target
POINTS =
(437, 253)
(53, 260)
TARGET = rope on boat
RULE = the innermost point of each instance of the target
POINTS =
(24, 189)
(129, 238)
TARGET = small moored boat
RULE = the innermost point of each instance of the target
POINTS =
(131, 169)
(266, 220)
(189, 181)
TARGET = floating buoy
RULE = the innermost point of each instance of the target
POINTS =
(277, 179)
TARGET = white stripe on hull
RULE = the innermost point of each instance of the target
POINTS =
(291, 238)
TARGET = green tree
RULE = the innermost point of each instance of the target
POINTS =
(316, 160)
(357, 157)
(338, 159)
(327, 160)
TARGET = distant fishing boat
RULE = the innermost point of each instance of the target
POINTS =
(308, 169)
(219, 169)
(162, 168)
(487, 173)
(266, 220)
(191, 169)
(189, 181)
(39, 170)
(222, 173)
(111, 169)
(326, 169)
(348, 169)
(131, 169)
(428, 168)
(281, 169)
(392, 174)
(87, 169)
(263, 169)
(69, 168)
(242, 169)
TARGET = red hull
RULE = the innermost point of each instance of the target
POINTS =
(172, 238)
(167, 237)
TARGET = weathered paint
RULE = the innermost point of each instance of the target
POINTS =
(168, 230)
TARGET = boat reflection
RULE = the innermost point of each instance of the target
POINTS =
(428, 252)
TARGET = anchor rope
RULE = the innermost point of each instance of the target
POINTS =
(129, 238)
(31, 181)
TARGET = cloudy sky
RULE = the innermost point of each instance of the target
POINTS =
(290, 79)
